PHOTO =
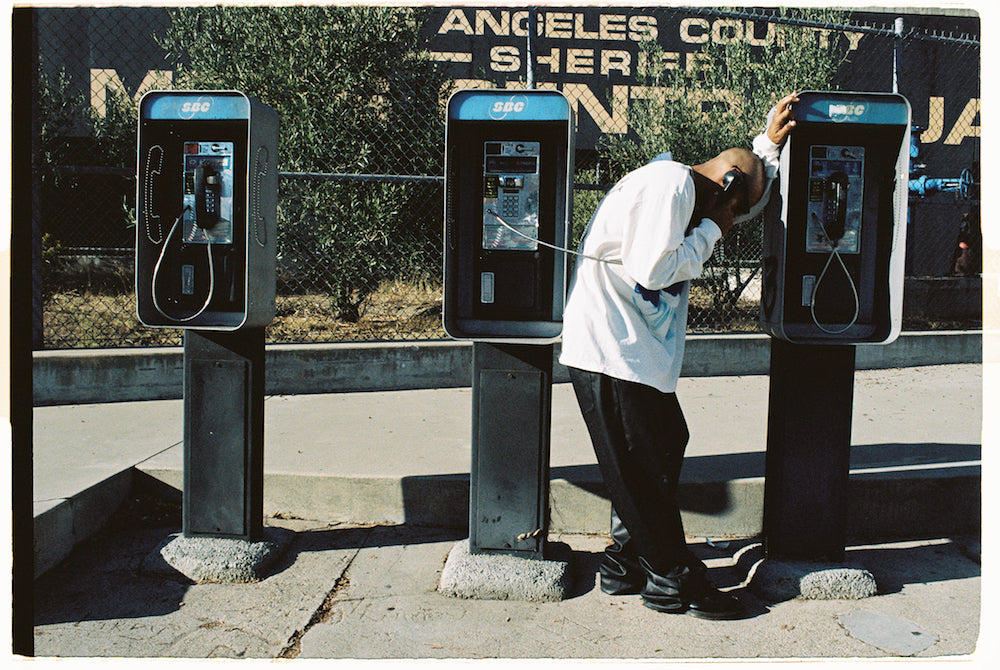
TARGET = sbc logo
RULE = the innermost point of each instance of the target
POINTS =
(191, 107)
(500, 109)
(839, 112)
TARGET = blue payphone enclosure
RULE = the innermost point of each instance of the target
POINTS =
(189, 274)
(835, 225)
(508, 179)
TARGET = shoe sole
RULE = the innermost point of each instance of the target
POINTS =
(698, 614)
(717, 616)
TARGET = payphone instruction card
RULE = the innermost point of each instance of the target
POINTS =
(208, 192)
(510, 195)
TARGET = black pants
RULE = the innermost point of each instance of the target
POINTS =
(639, 436)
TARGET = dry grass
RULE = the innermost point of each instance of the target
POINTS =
(398, 311)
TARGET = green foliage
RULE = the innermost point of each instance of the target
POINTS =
(74, 208)
(719, 98)
(72, 134)
(356, 95)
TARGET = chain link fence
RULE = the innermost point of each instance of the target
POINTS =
(361, 155)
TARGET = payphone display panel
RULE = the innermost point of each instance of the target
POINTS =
(510, 195)
(836, 195)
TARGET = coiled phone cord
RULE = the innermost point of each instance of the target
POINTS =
(819, 280)
(609, 261)
(159, 262)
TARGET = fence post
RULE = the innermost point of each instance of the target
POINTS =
(529, 61)
(897, 52)
(37, 304)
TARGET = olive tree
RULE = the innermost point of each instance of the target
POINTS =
(357, 95)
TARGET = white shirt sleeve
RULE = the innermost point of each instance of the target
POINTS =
(655, 251)
(770, 154)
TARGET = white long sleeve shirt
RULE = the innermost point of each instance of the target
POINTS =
(627, 318)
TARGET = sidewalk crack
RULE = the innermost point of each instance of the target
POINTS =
(294, 646)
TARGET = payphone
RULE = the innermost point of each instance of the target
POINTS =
(834, 237)
(508, 177)
(206, 207)
(834, 253)
(508, 174)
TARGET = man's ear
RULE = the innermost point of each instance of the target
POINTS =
(756, 210)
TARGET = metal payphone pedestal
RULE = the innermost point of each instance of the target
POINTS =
(806, 475)
(223, 536)
(505, 557)
(511, 420)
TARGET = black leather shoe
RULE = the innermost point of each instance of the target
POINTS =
(709, 602)
(685, 590)
(621, 573)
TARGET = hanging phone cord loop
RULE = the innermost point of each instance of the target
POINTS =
(609, 261)
(850, 280)
(159, 262)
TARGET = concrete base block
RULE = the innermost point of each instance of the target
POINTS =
(778, 581)
(217, 559)
(502, 577)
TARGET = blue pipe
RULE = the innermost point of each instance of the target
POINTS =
(924, 185)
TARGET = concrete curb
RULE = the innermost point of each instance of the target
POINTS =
(67, 523)
(904, 503)
(124, 375)
(929, 502)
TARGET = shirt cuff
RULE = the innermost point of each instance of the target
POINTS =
(711, 230)
(768, 152)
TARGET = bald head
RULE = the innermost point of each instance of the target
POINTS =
(743, 160)
(746, 162)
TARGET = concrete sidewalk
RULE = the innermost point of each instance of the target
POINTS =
(376, 487)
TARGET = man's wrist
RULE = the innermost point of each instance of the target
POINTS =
(720, 227)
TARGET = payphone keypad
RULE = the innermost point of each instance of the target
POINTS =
(510, 190)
